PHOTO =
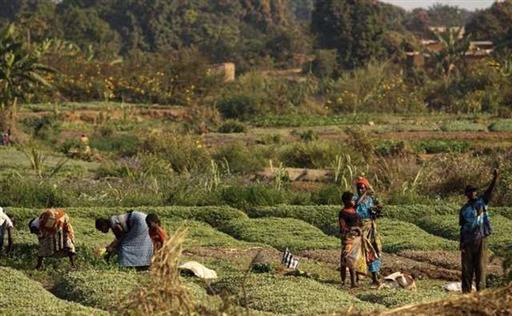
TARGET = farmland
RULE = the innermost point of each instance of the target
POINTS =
(226, 239)
(243, 216)
(241, 123)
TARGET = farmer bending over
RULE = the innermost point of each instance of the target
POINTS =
(55, 235)
(6, 225)
(132, 243)
(474, 228)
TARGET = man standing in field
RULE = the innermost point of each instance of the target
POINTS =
(474, 228)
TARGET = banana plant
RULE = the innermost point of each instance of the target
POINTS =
(20, 72)
(453, 52)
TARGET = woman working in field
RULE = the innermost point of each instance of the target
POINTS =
(55, 235)
(368, 208)
(132, 244)
(358, 253)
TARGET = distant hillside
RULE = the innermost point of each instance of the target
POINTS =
(225, 30)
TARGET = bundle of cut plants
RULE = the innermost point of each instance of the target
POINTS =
(488, 302)
(165, 294)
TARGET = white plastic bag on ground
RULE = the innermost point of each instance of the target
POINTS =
(455, 287)
(399, 280)
(199, 270)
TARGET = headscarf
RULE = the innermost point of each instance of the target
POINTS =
(363, 181)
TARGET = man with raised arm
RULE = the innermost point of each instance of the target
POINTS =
(474, 228)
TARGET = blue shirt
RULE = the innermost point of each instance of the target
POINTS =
(363, 208)
(471, 224)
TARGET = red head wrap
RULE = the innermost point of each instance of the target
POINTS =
(363, 181)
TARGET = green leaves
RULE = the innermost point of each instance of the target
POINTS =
(20, 71)
(23, 296)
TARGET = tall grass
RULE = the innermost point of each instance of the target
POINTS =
(165, 293)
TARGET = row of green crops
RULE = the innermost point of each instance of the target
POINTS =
(281, 233)
(285, 226)
(23, 296)
(291, 295)
(213, 215)
(448, 228)
(435, 123)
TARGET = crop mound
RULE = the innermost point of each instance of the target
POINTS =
(490, 302)
(281, 233)
(23, 296)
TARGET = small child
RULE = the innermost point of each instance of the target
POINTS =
(349, 229)
(156, 232)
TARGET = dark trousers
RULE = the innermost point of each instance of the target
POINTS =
(474, 264)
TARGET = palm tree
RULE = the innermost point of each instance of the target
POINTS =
(20, 73)
(453, 52)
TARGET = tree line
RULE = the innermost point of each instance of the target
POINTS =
(251, 33)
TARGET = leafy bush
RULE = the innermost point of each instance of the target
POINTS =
(328, 195)
(45, 128)
(68, 145)
(185, 153)
(32, 193)
(239, 158)
(137, 167)
(325, 63)
(310, 155)
(377, 87)
(306, 136)
(124, 144)
(252, 195)
(232, 126)
(442, 146)
(391, 148)
(501, 126)
(280, 233)
(458, 125)
(449, 174)
(241, 107)
(23, 296)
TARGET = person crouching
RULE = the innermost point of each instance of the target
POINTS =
(156, 232)
(55, 235)
(132, 242)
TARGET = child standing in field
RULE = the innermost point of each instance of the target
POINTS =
(156, 232)
(350, 231)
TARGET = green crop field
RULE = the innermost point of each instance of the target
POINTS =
(225, 239)
(244, 122)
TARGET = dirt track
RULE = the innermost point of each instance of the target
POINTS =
(438, 265)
